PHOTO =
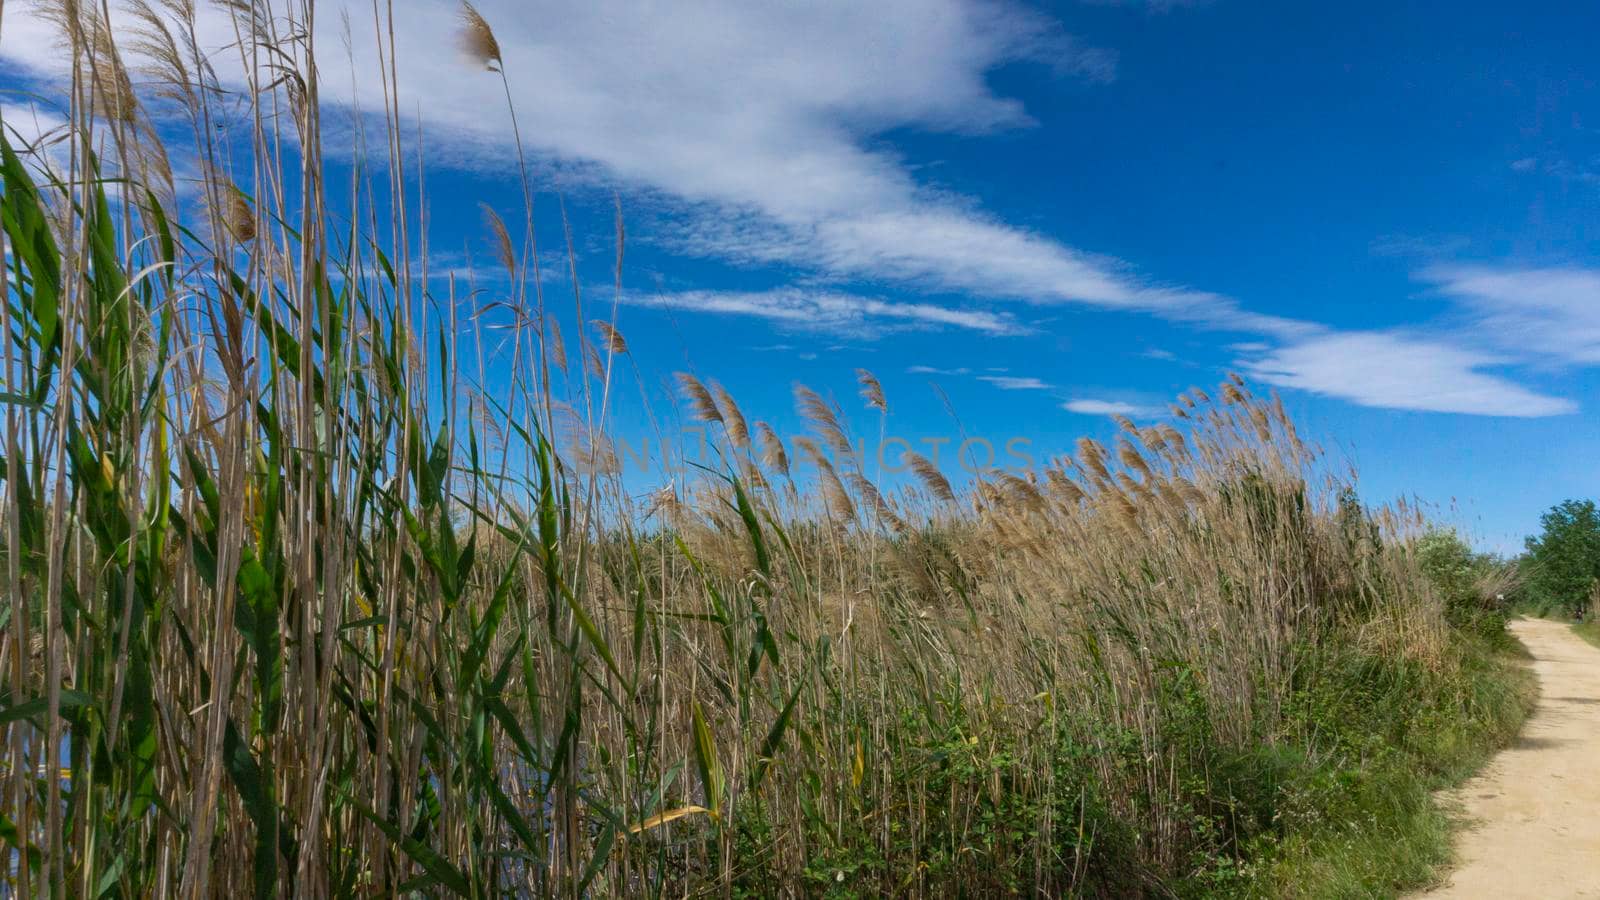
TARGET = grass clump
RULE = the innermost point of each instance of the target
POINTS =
(1368, 823)
(1589, 630)
(299, 598)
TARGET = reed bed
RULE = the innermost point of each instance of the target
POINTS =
(301, 599)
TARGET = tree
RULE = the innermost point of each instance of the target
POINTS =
(1564, 561)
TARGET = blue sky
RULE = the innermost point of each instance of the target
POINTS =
(1387, 211)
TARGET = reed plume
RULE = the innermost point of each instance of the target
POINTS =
(773, 456)
(871, 390)
(702, 408)
(477, 38)
(610, 337)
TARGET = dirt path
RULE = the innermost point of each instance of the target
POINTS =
(1535, 809)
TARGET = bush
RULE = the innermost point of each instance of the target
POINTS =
(1472, 586)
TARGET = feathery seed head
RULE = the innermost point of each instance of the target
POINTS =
(1092, 457)
(1129, 456)
(477, 38)
(502, 239)
(558, 344)
(871, 390)
(702, 408)
(610, 336)
(732, 419)
(824, 422)
(930, 476)
(773, 455)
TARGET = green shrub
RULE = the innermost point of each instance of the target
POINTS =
(1471, 585)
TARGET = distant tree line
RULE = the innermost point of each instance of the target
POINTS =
(1561, 567)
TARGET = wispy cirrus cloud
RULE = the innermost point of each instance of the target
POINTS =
(801, 309)
(783, 164)
(1550, 313)
(778, 164)
(1510, 317)
(1586, 174)
(1093, 406)
(1158, 6)
(1016, 382)
(993, 375)
(28, 124)
(1391, 370)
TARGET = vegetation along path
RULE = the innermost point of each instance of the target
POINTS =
(1534, 830)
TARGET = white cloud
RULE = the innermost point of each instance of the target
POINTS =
(1089, 406)
(932, 370)
(28, 123)
(1560, 169)
(39, 136)
(831, 312)
(1015, 383)
(755, 120)
(1158, 6)
(1394, 371)
(1424, 247)
(1550, 314)
(756, 125)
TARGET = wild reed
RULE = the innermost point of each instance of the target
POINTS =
(296, 600)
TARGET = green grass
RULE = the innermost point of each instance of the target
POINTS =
(1387, 832)
(1589, 630)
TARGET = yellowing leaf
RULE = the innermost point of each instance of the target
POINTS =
(705, 751)
(663, 818)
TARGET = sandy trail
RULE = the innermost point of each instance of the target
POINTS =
(1534, 811)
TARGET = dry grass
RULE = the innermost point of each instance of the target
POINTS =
(297, 597)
